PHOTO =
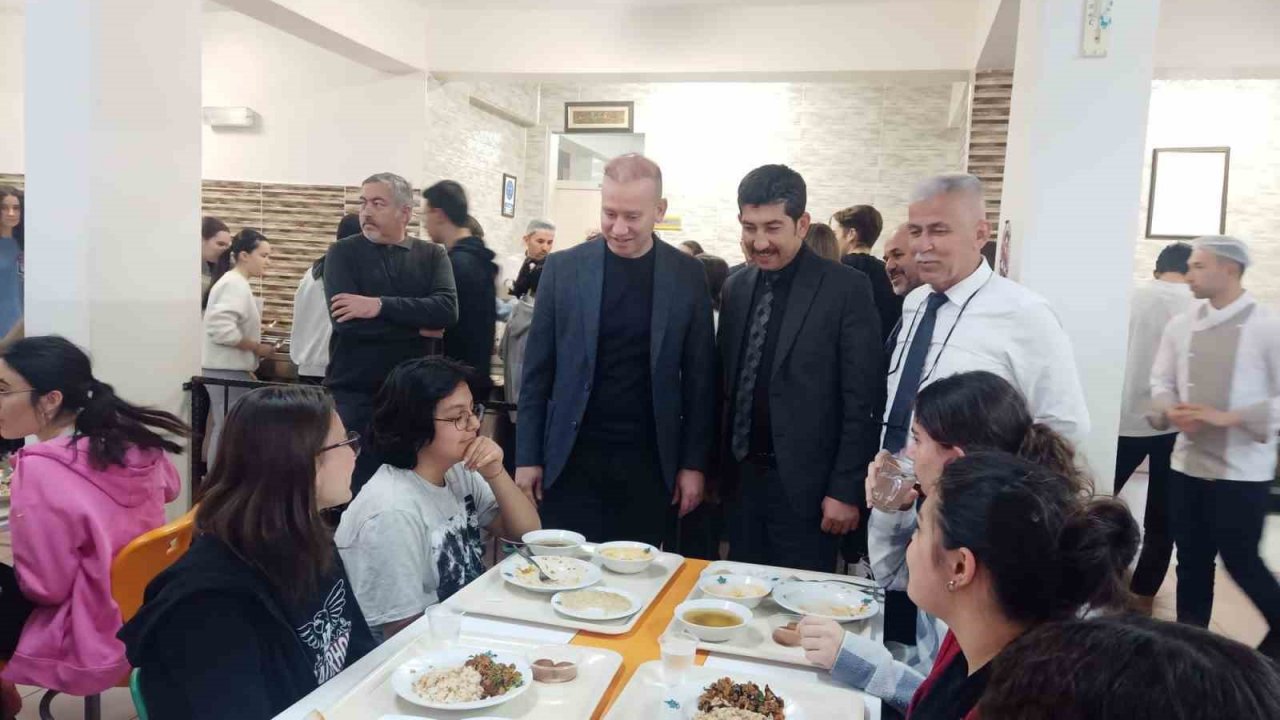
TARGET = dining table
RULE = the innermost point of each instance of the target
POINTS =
(638, 646)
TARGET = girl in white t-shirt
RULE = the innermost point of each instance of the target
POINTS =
(413, 536)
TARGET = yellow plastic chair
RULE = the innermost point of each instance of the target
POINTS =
(134, 567)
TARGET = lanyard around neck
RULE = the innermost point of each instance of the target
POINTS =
(945, 341)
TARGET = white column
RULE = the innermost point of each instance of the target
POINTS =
(1072, 181)
(113, 187)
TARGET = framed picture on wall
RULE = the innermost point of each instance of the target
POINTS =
(599, 117)
(1188, 192)
(508, 195)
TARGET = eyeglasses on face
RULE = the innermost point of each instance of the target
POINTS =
(463, 421)
(352, 441)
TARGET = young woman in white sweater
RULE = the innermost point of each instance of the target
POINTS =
(233, 344)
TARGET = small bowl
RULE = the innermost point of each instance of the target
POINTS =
(554, 664)
(713, 634)
(722, 587)
(627, 567)
(566, 542)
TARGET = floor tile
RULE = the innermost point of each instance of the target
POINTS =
(117, 704)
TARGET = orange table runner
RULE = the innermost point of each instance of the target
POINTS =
(641, 644)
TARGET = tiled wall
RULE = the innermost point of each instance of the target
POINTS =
(475, 147)
(1245, 116)
(854, 142)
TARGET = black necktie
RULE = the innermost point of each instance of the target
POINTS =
(750, 370)
(895, 434)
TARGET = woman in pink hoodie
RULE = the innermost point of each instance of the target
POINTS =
(98, 478)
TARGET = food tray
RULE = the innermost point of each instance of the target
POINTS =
(490, 595)
(647, 697)
(756, 639)
(374, 697)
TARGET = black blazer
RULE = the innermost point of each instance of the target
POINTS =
(828, 373)
(560, 359)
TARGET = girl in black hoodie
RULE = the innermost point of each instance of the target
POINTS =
(259, 612)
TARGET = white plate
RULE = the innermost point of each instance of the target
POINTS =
(597, 614)
(682, 701)
(580, 573)
(402, 679)
(820, 599)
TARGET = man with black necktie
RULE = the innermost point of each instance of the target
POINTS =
(965, 317)
(800, 347)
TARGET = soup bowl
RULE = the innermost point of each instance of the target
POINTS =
(687, 612)
(553, 542)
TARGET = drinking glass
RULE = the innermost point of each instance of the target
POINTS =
(445, 624)
(678, 648)
(893, 483)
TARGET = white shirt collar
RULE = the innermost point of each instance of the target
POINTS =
(965, 289)
(1210, 316)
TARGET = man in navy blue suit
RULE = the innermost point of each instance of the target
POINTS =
(617, 406)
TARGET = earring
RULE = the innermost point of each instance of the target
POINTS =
(951, 586)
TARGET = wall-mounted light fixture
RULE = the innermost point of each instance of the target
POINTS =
(229, 117)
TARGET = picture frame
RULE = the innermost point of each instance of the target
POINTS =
(599, 117)
(508, 195)
(1188, 193)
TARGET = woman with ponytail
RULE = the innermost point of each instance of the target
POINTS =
(956, 415)
(97, 478)
(233, 345)
(1003, 546)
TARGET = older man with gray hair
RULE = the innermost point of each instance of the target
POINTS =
(390, 295)
(964, 317)
(1216, 379)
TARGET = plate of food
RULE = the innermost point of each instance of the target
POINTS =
(566, 573)
(597, 603)
(727, 699)
(461, 679)
(834, 601)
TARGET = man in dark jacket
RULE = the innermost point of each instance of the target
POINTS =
(475, 277)
(802, 374)
(389, 295)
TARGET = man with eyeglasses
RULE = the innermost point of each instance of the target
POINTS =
(390, 296)
(965, 317)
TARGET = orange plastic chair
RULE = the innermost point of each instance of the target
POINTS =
(134, 567)
(145, 557)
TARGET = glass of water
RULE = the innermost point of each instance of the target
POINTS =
(445, 624)
(893, 483)
(678, 650)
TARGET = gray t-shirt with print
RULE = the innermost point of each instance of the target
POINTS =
(408, 544)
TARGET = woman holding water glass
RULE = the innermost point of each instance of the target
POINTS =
(961, 414)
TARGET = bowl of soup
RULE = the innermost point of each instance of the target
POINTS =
(553, 542)
(626, 557)
(713, 620)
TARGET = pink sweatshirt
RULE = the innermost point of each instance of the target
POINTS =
(68, 521)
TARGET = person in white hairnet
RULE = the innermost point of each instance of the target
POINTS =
(1216, 379)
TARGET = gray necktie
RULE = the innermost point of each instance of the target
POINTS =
(750, 370)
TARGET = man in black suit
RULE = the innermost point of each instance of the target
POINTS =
(801, 352)
(617, 405)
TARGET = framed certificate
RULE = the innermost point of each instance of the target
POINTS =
(1188, 192)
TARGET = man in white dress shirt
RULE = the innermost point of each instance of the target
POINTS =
(1217, 380)
(965, 317)
(1153, 305)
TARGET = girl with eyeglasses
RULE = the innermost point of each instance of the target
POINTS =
(97, 478)
(413, 537)
(259, 611)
